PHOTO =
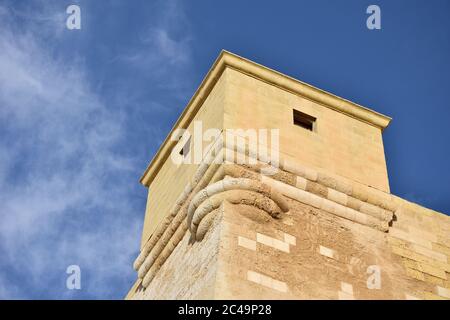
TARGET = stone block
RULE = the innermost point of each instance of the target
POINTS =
(327, 252)
(247, 243)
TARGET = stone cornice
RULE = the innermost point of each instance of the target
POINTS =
(216, 182)
(230, 60)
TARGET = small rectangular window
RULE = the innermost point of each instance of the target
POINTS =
(184, 152)
(304, 120)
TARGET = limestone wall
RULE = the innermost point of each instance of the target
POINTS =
(299, 234)
(339, 144)
(190, 271)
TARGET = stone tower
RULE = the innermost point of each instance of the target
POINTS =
(279, 190)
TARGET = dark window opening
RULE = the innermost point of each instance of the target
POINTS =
(304, 120)
(184, 152)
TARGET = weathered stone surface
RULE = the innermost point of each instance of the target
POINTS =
(324, 226)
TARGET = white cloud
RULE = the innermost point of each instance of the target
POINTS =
(68, 195)
(64, 191)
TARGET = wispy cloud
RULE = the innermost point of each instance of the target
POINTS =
(66, 192)
(165, 52)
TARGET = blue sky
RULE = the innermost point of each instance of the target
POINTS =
(83, 111)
